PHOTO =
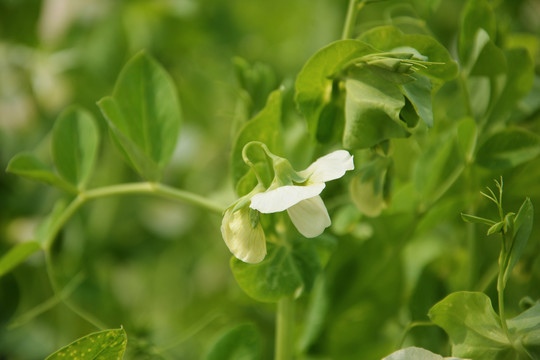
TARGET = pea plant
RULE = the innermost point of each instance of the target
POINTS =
(355, 206)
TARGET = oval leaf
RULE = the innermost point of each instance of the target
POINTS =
(29, 166)
(144, 115)
(75, 145)
(508, 148)
(107, 344)
(472, 325)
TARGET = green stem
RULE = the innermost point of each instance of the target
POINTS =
(350, 20)
(502, 315)
(121, 189)
(285, 329)
(503, 264)
(156, 189)
(465, 91)
(411, 326)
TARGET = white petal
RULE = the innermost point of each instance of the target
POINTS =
(329, 167)
(245, 242)
(284, 197)
(415, 353)
(310, 217)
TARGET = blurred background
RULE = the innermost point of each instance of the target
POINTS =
(159, 268)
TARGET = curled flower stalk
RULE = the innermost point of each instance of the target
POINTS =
(297, 192)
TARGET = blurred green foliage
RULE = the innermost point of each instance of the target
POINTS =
(160, 269)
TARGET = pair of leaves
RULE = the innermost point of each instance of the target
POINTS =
(107, 344)
(383, 98)
(144, 115)
(476, 332)
(285, 271)
(75, 144)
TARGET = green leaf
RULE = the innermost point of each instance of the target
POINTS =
(17, 255)
(477, 15)
(133, 153)
(437, 168)
(519, 81)
(523, 225)
(526, 329)
(144, 115)
(107, 344)
(372, 111)
(474, 328)
(467, 134)
(257, 79)
(317, 311)
(264, 127)
(477, 220)
(486, 58)
(391, 39)
(315, 82)
(419, 94)
(75, 145)
(242, 342)
(508, 148)
(285, 271)
(29, 166)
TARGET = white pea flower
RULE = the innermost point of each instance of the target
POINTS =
(415, 353)
(301, 200)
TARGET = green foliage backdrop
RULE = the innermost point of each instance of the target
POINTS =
(458, 106)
